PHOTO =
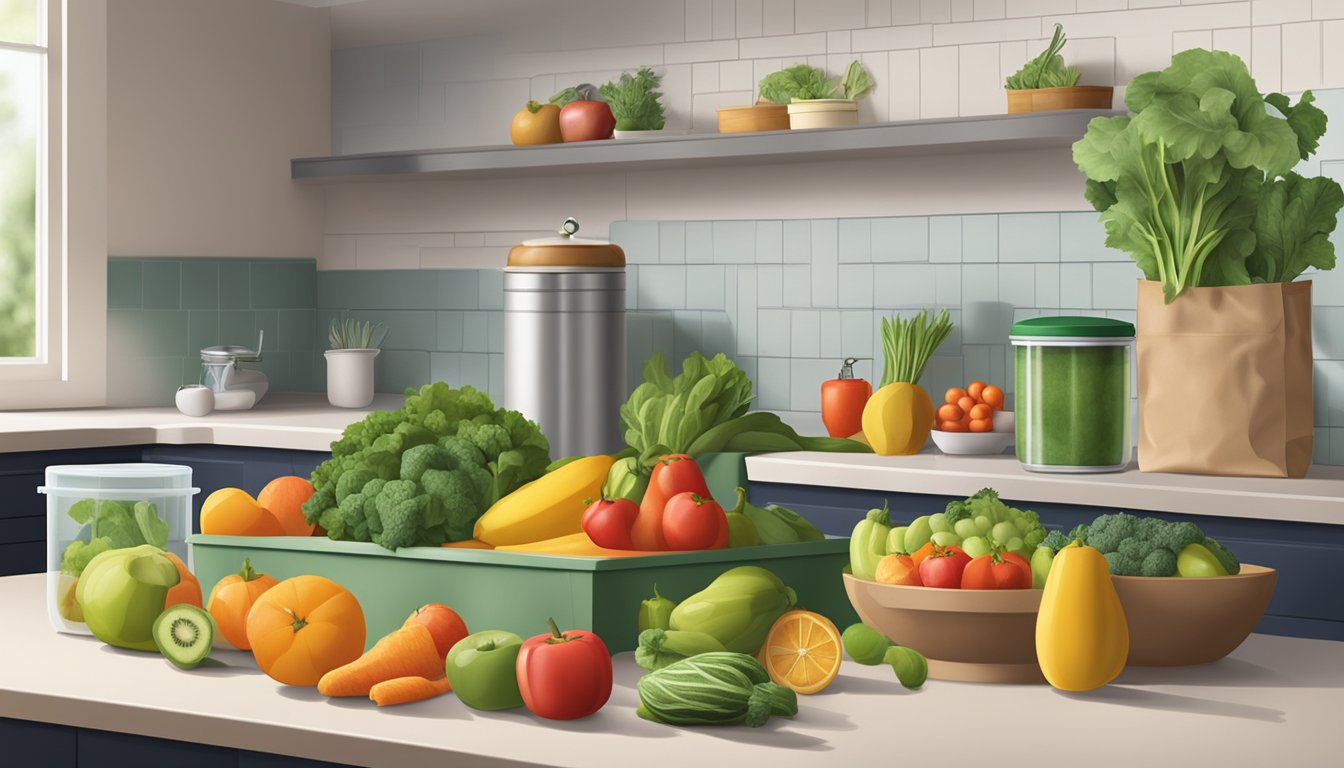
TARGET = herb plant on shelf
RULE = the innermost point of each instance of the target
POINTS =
(1046, 83)
(814, 100)
(354, 345)
(635, 102)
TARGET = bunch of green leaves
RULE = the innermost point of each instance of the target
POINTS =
(634, 101)
(804, 81)
(349, 333)
(704, 410)
(112, 525)
(907, 345)
(1046, 70)
(1197, 185)
(422, 474)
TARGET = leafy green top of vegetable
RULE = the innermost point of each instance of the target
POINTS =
(907, 345)
(580, 92)
(634, 102)
(804, 81)
(1197, 185)
(422, 474)
(1046, 70)
(112, 525)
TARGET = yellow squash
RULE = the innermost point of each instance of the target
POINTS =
(1082, 640)
(546, 508)
(573, 545)
(897, 419)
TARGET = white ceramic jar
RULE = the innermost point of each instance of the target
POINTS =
(350, 377)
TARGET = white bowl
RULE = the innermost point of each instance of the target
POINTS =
(973, 443)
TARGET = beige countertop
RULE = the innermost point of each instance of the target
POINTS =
(304, 422)
(1273, 696)
(1317, 498)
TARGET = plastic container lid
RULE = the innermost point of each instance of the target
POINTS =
(119, 479)
(1072, 327)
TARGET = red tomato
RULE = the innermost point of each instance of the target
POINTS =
(564, 676)
(943, 567)
(693, 522)
(842, 402)
(608, 522)
(997, 571)
(586, 121)
(671, 475)
(443, 623)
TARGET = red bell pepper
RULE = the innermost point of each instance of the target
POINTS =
(564, 676)
(997, 570)
(608, 522)
(691, 521)
(671, 475)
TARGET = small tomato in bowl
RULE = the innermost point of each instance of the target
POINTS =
(943, 567)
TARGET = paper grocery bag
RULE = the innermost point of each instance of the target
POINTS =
(1224, 380)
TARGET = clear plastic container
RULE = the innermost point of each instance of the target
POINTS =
(1071, 379)
(88, 501)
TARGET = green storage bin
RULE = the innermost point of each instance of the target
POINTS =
(517, 591)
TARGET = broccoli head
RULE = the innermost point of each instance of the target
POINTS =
(1079, 533)
(1177, 536)
(1122, 565)
(463, 451)
(421, 458)
(1055, 540)
(400, 511)
(1107, 531)
(322, 501)
(1228, 560)
(489, 438)
(352, 481)
(1158, 562)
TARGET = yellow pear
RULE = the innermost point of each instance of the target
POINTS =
(1082, 640)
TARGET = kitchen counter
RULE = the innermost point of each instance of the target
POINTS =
(1274, 695)
(1317, 498)
(302, 422)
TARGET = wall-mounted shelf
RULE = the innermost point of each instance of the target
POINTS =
(917, 137)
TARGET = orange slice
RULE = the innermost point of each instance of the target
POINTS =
(802, 651)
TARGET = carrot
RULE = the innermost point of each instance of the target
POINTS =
(407, 651)
(404, 690)
(468, 544)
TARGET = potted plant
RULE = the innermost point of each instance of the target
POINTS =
(354, 345)
(1197, 185)
(815, 101)
(1045, 83)
(635, 103)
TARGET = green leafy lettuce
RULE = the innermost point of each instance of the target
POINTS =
(804, 81)
(111, 525)
(1046, 70)
(634, 101)
(1197, 184)
(422, 474)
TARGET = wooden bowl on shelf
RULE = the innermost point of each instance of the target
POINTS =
(1051, 99)
(762, 116)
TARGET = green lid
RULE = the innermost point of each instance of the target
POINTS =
(1086, 327)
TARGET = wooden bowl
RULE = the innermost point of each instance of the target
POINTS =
(989, 636)
(758, 117)
(1175, 622)
(1050, 99)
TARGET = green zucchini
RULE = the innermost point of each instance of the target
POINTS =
(720, 688)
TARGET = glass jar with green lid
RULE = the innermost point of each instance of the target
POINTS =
(1071, 379)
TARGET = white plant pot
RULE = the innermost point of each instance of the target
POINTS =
(823, 113)
(350, 377)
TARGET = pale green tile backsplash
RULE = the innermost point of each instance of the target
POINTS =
(161, 312)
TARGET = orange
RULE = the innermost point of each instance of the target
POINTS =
(233, 512)
(304, 627)
(188, 589)
(284, 497)
(802, 651)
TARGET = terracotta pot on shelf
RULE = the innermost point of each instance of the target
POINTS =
(1050, 99)
(761, 116)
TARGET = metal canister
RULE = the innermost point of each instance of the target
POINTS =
(564, 340)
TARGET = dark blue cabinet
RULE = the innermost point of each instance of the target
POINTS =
(1306, 555)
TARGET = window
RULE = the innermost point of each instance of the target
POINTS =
(23, 119)
(53, 203)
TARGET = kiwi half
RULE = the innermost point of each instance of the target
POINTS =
(184, 634)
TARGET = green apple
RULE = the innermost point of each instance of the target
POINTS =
(122, 592)
(483, 670)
